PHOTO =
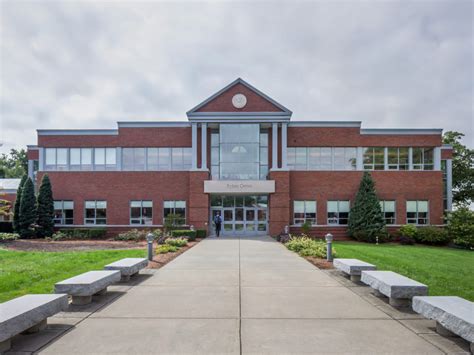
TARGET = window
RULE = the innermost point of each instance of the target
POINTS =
(417, 212)
(75, 159)
(133, 159)
(56, 159)
(215, 154)
(105, 158)
(95, 212)
(177, 208)
(304, 211)
(321, 158)
(388, 210)
(63, 212)
(398, 158)
(263, 154)
(50, 159)
(141, 212)
(374, 158)
(338, 212)
(423, 158)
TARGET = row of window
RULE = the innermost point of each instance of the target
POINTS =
(327, 158)
(338, 212)
(95, 212)
(105, 159)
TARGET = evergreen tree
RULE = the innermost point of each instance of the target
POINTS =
(16, 210)
(45, 209)
(27, 210)
(366, 220)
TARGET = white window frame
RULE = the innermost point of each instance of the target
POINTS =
(95, 218)
(383, 207)
(423, 165)
(141, 220)
(395, 167)
(337, 218)
(174, 209)
(417, 212)
(371, 166)
(305, 218)
(62, 220)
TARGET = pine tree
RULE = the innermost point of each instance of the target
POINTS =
(366, 220)
(16, 210)
(27, 210)
(45, 209)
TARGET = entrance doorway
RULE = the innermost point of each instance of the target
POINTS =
(241, 215)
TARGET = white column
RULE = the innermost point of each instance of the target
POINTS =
(410, 158)
(204, 146)
(194, 146)
(449, 184)
(31, 164)
(41, 159)
(437, 158)
(284, 143)
(360, 159)
(275, 146)
(385, 158)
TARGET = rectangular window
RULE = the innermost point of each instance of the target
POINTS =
(374, 158)
(398, 158)
(388, 210)
(152, 159)
(75, 159)
(95, 212)
(304, 211)
(99, 159)
(164, 159)
(63, 212)
(86, 158)
(50, 159)
(110, 159)
(133, 159)
(62, 159)
(176, 208)
(141, 212)
(263, 153)
(321, 158)
(423, 158)
(338, 212)
(417, 212)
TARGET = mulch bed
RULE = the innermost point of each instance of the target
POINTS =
(320, 263)
(161, 260)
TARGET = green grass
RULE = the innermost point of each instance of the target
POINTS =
(446, 271)
(37, 272)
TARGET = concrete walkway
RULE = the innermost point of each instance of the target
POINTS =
(239, 296)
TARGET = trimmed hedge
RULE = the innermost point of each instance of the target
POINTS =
(432, 235)
(201, 233)
(81, 233)
(191, 235)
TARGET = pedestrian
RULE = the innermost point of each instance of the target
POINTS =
(218, 223)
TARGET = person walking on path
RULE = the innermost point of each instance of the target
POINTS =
(218, 223)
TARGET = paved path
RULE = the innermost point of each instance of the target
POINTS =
(239, 296)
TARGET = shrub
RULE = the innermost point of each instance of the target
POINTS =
(381, 236)
(306, 246)
(6, 227)
(201, 233)
(60, 235)
(82, 233)
(132, 235)
(404, 240)
(176, 242)
(16, 208)
(432, 235)
(190, 234)
(408, 230)
(166, 248)
(45, 206)
(306, 227)
(461, 227)
(28, 210)
(8, 236)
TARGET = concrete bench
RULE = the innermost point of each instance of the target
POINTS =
(84, 286)
(128, 266)
(28, 314)
(353, 267)
(398, 288)
(453, 315)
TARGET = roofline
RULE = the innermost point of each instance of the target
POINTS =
(401, 131)
(149, 124)
(352, 124)
(74, 132)
(243, 82)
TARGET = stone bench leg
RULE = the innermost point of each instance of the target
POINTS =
(443, 331)
(101, 292)
(125, 278)
(355, 278)
(37, 327)
(5, 345)
(81, 300)
(377, 293)
(399, 302)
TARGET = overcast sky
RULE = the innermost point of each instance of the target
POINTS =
(89, 64)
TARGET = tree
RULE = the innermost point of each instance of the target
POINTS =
(463, 169)
(28, 210)
(45, 209)
(5, 207)
(16, 209)
(366, 220)
(13, 165)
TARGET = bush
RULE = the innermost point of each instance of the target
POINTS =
(306, 227)
(432, 235)
(6, 227)
(201, 233)
(381, 236)
(176, 242)
(166, 248)
(461, 227)
(81, 233)
(306, 246)
(190, 234)
(8, 236)
(404, 240)
(408, 230)
(60, 235)
(132, 235)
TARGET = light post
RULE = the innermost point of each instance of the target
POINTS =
(329, 246)
(149, 239)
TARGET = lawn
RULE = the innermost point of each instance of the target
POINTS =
(37, 272)
(446, 271)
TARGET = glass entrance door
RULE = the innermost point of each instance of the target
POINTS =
(241, 215)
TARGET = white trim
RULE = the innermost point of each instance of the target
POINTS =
(275, 146)
(150, 124)
(239, 119)
(401, 131)
(76, 132)
(203, 145)
(194, 147)
(41, 159)
(449, 183)
(410, 158)
(32, 147)
(352, 124)
(284, 146)
(437, 159)
(359, 158)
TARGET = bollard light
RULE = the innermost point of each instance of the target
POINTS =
(191, 227)
(329, 239)
(149, 238)
(287, 229)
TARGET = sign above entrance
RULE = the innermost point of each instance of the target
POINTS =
(239, 186)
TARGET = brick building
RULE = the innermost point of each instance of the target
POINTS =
(240, 154)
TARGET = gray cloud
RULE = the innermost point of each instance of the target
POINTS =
(89, 64)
